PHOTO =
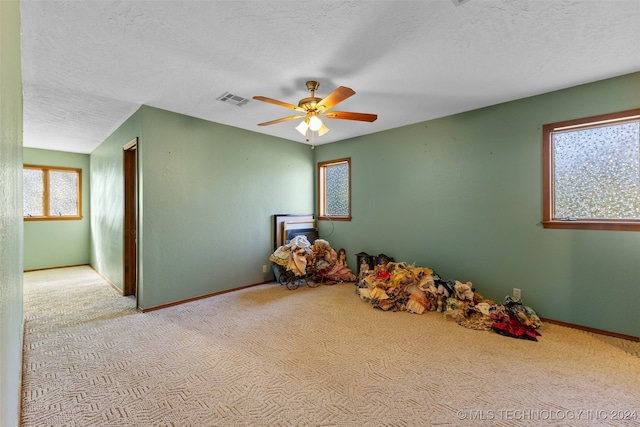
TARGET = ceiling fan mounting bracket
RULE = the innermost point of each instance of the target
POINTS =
(312, 86)
(309, 104)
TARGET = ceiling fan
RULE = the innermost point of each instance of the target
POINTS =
(312, 109)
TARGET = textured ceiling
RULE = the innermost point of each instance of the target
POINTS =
(88, 65)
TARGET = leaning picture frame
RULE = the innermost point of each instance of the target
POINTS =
(293, 221)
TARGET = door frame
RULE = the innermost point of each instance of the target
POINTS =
(130, 227)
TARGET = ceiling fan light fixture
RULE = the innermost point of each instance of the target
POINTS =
(302, 127)
(312, 108)
(315, 124)
(324, 129)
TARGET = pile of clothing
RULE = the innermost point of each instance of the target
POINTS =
(401, 287)
(319, 260)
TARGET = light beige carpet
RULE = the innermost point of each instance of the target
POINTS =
(267, 356)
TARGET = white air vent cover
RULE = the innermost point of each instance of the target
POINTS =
(230, 98)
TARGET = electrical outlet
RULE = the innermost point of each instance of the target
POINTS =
(264, 268)
(517, 293)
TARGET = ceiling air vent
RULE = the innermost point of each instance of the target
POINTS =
(230, 98)
(459, 2)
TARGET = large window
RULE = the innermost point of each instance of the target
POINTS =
(334, 190)
(51, 193)
(592, 172)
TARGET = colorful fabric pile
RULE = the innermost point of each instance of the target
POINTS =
(319, 260)
(401, 287)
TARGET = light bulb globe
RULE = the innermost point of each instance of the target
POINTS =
(315, 123)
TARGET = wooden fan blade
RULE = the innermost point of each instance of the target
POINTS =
(284, 119)
(346, 115)
(335, 97)
(276, 102)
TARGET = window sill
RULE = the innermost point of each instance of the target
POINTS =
(52, 218)
(334, 218)
(593, 225)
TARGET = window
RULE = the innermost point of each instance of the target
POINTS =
(592, 172)
(51, 193)
(334, 190)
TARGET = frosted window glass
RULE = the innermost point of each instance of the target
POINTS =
(597, 172)
(63, 193)
(33, 192)
(51, 193)
(337, 189)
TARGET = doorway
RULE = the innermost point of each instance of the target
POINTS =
(130, 240)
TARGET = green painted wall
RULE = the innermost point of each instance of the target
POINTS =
(107, 200)
(460, 194)
(58, 243)
(11, 325)
(463, 195)
(208, 195)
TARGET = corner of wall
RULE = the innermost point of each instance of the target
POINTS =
(11, 261)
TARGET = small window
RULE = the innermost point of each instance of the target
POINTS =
(51, 193)
(592, 172)
(334, 190)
